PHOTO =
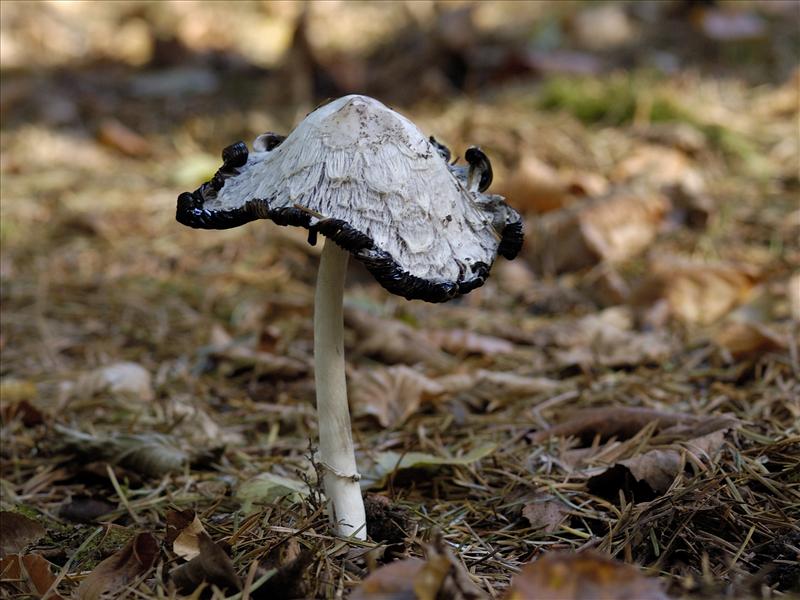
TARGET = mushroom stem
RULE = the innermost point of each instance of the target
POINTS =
(336, 454)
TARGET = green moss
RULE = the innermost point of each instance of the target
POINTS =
(616, 100)
(613, 101)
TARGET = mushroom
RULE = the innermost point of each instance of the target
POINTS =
(367, 179)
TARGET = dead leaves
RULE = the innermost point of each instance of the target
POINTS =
(29, 571)
(544, 514)
(609, 229)
(393, 394)
(183, 530)
(584, 576)
(695, 292)
(17, 532)
(149, 454)
(232, 355)
(748, 338)
(212, 565)
(441, 575)
(382, 465)
(639, 451)
(607, 338)
(121, 569)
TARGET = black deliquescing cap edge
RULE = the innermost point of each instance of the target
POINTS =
(192, 213)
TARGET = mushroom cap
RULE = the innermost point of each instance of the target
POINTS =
(366, 177)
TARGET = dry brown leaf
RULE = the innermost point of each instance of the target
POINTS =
(187, 542)
(622, 422)
(120, 569)
(659, 167)
(695, 292)
(115, 135)
(32, 570)
(653, 471)
(17, 532)
(584, 576)
(612, 229)
(463, 341)
(535, 186)
(441, 575)
(211, 565)
(793, 293)
(394, 581)
(291, 579)
(746, 338)
(393, 341)
(658, 468)
(497, 386)
(391, 394)
(546, 515)
(238, 355)
(23, 410)
(607, 339)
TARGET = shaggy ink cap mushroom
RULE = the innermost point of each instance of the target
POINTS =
(366, 177)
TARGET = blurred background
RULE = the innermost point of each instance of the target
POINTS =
(652, 146)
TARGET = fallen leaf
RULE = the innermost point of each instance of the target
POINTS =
(384, 464)
(584, 576)
(607, 339)
(33, 570)
(536, 186)
(463, 341)
(496, 387)
(240, 355)
(127, 380)
(622, 422)
(748, 338)
(793, 293)
(605, 286)
(658, 167)
(394, 581)
(27, 413)
(657, 468)
(695, 292)
(148, 453)
(393, 341)
(116, 572)
(267, 488)
(211, 565)
(122, 138)
(546, 515)
(234, 354)
(613, 228)
(17, 532)
(391, 394)
(186, 543)
(440, 575)
(195, 425)
(289, 563)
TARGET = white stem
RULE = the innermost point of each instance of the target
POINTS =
(336, 454)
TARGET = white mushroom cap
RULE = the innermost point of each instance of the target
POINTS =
(365, 176)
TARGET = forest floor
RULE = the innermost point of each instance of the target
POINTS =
(629, 385)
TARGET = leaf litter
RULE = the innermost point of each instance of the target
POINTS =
(629, 386)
